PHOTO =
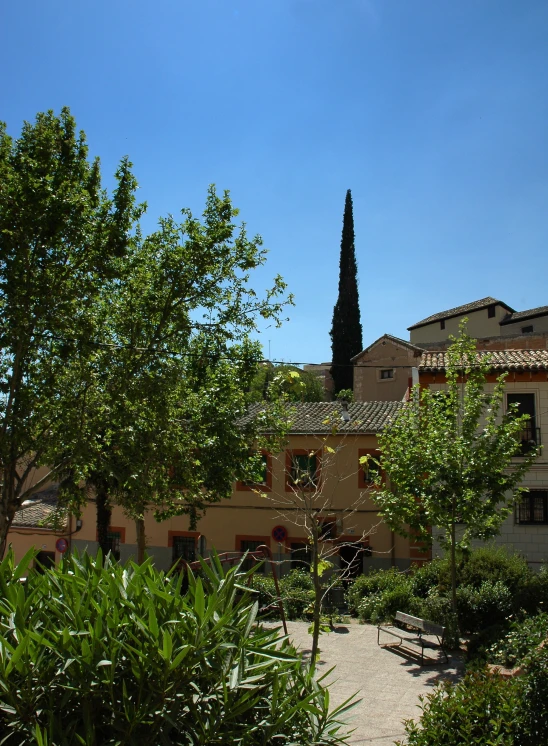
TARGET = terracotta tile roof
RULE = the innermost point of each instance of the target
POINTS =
(523, 315)
(37, 509)
(459, 310)
(316, 418)
(499, 360)
(390, 338)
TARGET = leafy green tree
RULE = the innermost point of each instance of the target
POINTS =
(61, 236)
(167, 387)
(271, 382)
(450, 457)
(346, 330)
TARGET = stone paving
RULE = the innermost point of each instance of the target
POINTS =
(388, 682)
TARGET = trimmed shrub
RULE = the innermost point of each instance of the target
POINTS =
(479, 608)
(492, 564)
(120, 655)
(382, 607)
(373, 583)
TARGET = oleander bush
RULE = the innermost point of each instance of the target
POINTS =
(119, 654)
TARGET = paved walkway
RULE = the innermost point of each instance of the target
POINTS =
(388, 683)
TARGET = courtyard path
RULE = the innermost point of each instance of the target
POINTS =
(388, 683)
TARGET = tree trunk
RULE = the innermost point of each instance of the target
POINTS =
(8, 505)
(316, 619)
(103, 514)
(141, 540)
(453, 562)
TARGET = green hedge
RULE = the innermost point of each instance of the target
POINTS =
(492, 586)
(120, 655)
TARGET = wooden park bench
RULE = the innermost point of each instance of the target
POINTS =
(410, 630)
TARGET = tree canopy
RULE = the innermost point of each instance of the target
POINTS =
(271, 382)
(125, 358)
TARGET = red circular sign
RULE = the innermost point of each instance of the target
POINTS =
(61, 545)
(279, 533)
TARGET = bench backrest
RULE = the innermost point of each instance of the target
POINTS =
(430, 628)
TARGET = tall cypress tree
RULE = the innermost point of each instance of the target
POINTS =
(346, 331)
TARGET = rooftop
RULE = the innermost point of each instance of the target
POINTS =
(500, 360)
(37, 509)
(476, 305)
(523, 315)
(317, 418)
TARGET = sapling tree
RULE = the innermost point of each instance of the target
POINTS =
(450, 457)
(309, 500)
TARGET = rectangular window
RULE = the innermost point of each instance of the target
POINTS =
(387, 374)
(183, 548)
(302, 470)
(530, 435)
(527, 329)
(368, 471)
(114, 538)
(251, 545)
(44, 561)
(328, 528)
(533, 507)
(491, 310)
(442, 324)
(265, 480)
(301, 556)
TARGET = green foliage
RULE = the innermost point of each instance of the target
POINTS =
(119, 655)
(289, 382)
(373, 584)
(521, 639)
(485, 709)
(346, 329)
(478, 710)
(297, 591)
(493, 586)
(382, 607)
(345, 395)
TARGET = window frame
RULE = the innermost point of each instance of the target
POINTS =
(289, 465)
(259, 486)
(532, 422)
(363, 484)
(529, 497)
(239, 538)
(185, 535)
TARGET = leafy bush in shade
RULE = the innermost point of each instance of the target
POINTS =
(120, 655)
(485, 709)
(521, 639)
(382, 607)
(296, 590)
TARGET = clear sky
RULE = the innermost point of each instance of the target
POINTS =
(434, 113)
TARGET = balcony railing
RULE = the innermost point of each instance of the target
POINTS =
(529, 438)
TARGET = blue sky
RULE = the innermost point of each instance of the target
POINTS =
(434, 113)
